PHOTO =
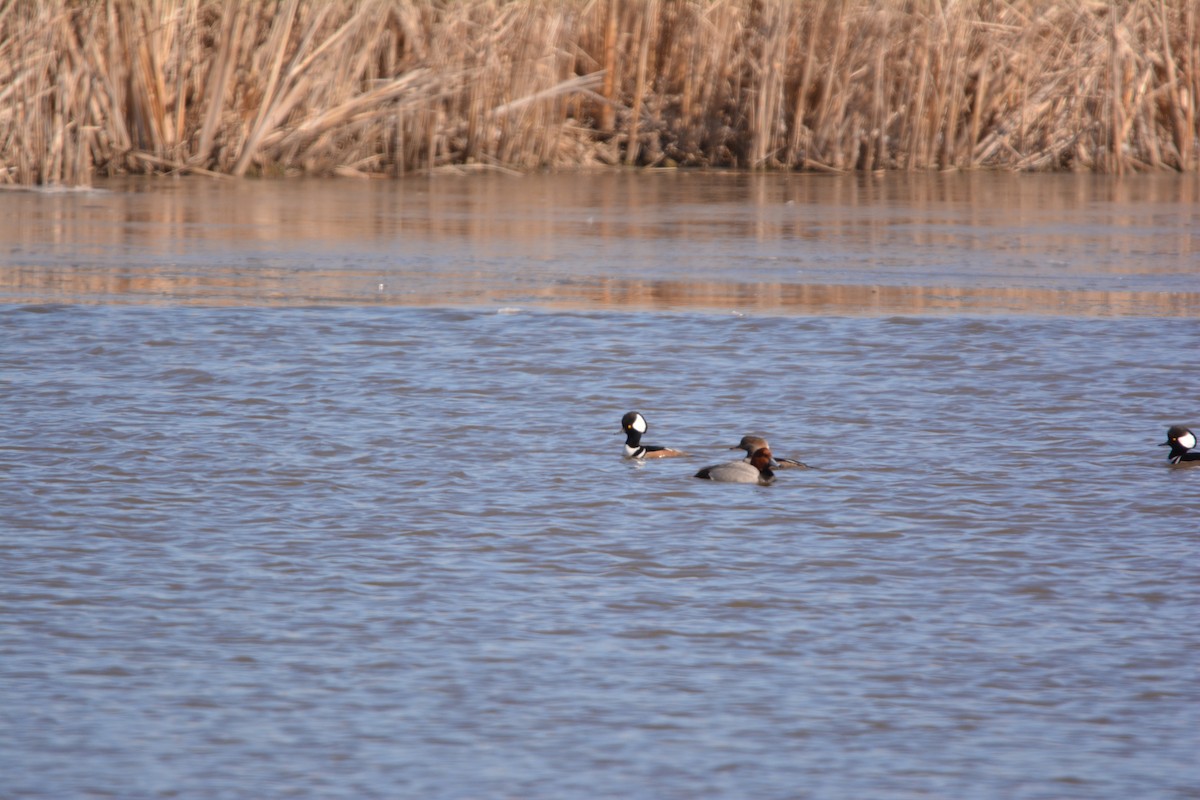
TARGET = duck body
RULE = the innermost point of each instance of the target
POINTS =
(756, 469)
(1181, 440)
(634, 425)
(752, 443)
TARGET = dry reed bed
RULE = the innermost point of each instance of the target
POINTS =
(385, 87)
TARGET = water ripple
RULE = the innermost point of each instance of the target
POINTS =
(402, 544)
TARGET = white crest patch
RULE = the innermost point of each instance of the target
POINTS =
(1188, 440)
(639, 423)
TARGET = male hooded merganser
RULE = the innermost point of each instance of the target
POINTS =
(756, 470)
(752, 443)
(1181, 440)
(634, 425)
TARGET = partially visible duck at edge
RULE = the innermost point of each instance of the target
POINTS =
(634, 425)
(752, 443)
(1181, 440)
(755, 470)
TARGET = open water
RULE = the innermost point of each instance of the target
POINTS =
(271, 530)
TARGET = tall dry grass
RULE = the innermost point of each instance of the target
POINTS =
(238, 87)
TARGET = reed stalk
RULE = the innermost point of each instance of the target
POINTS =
(387, 87)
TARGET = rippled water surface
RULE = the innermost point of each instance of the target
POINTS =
(390, 549)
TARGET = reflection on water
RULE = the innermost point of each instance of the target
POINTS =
(1057, 244)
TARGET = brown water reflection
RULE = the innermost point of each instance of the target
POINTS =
(1045, 244)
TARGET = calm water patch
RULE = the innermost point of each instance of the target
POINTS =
(387, 551)
(1080, 245)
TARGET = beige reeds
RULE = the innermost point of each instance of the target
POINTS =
(276, 87)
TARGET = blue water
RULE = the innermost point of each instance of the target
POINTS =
(391, 552)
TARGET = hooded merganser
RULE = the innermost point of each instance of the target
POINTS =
(634, 425)
(752, 443)
(1181, 440)
(756, 470)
